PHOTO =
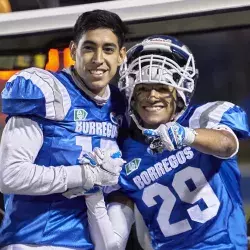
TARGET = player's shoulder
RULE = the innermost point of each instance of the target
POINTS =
(211, 114)
(35, 91)
(201, 116)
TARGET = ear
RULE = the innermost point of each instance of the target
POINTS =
(122, 55)
(72, 48)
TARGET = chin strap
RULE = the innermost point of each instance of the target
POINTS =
(136, 122)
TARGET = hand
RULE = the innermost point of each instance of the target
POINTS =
(106, 169)
(99, 169)
(172, 136)
(96, 157)
(109, 161)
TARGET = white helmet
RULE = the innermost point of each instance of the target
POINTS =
(159, 59)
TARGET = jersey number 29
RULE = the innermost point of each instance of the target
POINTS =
(202, 191)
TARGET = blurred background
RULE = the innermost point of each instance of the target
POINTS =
(37, 33)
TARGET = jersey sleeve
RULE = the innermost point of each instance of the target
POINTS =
(213, 114)
(35, 92)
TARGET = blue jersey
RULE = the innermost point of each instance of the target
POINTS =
(189, 200)
(71, 124)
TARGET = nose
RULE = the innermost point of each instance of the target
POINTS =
(153, 94)
(98, 57)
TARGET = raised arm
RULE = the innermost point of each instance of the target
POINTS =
(213, 128)
(222, 143)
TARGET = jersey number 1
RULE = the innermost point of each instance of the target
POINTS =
(86, 143)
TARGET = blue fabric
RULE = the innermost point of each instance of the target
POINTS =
(53, 219)
(189, 200)
(23, 97)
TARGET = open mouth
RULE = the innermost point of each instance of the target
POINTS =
(153, 108)
(97, 73)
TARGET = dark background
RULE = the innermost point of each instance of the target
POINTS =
(223, 60)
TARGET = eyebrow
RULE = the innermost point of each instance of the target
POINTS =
(105, 44)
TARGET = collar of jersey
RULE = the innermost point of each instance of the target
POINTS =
(99, 100)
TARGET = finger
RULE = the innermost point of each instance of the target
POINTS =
(164, 135)
(83, 161)
(113, 153)
(150, 132)
(117, 170)
(113, 169)
(117, 154)
(119, 162)
(115, 180)
(88, 158)
(99, 153)
(99, 156)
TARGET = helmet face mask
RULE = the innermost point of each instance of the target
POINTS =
(159, 59)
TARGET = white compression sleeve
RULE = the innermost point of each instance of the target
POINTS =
(142, 231)
(109, 229)
(21, 141)
(122, 219)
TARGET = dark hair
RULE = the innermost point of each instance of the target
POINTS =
(95, 19)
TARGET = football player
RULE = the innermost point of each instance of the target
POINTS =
(53, 120)
(181, 169)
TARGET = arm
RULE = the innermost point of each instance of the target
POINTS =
(21, 141)
(222, 143)
(223, 117)
(215, 124)
(109, 227)
(219, 140)
(142, 231)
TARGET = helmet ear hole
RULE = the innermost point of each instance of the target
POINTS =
(176, 77)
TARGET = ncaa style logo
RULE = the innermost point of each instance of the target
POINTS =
(80, 114)
(117, 120)
(132, 165)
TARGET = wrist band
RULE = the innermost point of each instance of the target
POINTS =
(190, 135)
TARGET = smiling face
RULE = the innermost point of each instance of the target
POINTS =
(154, 103)
(97, 56)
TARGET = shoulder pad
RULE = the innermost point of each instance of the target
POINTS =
(212, 114)
(35, 91)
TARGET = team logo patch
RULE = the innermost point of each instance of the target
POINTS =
(80, 114)
(132, 165)
(116, 119)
